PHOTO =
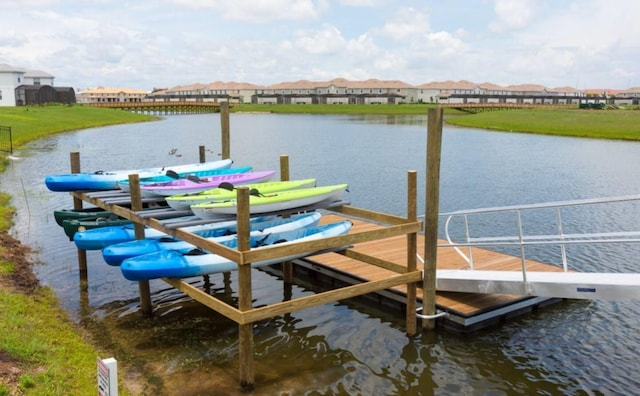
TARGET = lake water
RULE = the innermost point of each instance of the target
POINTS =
(352, 347)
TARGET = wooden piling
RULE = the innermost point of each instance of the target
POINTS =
(432, 202)
(412, 250)
(77, 204)
(136, 206)
(245, 345)
(287, 266)
(225, 130)
(202, 155)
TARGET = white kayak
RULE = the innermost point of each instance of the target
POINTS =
(115, 254)
(173, 264)
(265, 203)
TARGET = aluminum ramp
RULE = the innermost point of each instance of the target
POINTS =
(574, 285)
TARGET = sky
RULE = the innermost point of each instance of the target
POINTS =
(146, 44)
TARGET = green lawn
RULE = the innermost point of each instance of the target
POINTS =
(606, 124)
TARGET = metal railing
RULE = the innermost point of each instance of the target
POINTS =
(6, 140)
(521, 240)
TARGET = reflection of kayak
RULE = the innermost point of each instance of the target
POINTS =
(184, 201)
(173, 264)
(265, 203)
(188, 186)
(115, 254)
(108, 180)
(100, 238)
(124, 184)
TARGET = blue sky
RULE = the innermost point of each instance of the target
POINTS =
(163, 43)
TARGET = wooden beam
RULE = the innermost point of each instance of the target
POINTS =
(83, 271)
(138, 228)
(225, 130)
(206, 299)
(330, 296)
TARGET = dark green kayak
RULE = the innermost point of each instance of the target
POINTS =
(79, 214)
(72, 226)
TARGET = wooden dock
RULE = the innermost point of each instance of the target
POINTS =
(467, 311)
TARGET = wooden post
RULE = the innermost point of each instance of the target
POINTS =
(287, 266)
(136, 205)
(412, 250)
(74, 158)
(432, 203)
(245, 345)
(225, 130)
(202, 155)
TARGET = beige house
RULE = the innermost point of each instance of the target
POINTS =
(102, 95)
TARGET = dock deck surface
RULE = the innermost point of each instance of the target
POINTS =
(395, 250)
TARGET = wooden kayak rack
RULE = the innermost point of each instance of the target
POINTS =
(244, 314)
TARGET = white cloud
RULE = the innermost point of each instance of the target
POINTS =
(325, 41)
(512, 14)
(406, 24)
(258, 11)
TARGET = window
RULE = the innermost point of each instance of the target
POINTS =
(36, 81)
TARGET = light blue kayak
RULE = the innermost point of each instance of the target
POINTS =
(173, 264)
(115, 254)
(100, 238)
(108, 180)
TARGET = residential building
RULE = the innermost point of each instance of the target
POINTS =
(105, 95)
(19, 87)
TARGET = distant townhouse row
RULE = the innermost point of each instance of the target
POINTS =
(342, 91)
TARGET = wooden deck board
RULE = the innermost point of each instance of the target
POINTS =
(394, 250)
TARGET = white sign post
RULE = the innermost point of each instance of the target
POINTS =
(107, 377)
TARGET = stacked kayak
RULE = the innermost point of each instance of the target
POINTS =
(100, 238)
(175, 264)
(188, 186)
(196, 175)
(226, 191)
(61, 215)
(115, 254)
(264, 203)
(108, 180)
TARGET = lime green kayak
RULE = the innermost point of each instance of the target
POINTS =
(227, 192)
(274, 202)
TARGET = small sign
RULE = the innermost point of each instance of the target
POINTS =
(107, 377)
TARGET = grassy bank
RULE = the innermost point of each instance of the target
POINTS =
(42, 351)
(33, 122)
(602, 124)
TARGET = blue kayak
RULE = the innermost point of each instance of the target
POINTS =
(116, 254)
(100, 238)
(108, 180)
(174, 264)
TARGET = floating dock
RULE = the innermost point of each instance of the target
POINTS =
(465, 312)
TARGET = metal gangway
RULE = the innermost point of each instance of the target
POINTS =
(567, 282)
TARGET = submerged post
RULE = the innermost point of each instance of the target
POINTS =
(74, 158)
(412, 250)
(225, 130)
(432, 203)
(201, 154)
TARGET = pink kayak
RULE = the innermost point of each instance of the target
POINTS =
(192, 185)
